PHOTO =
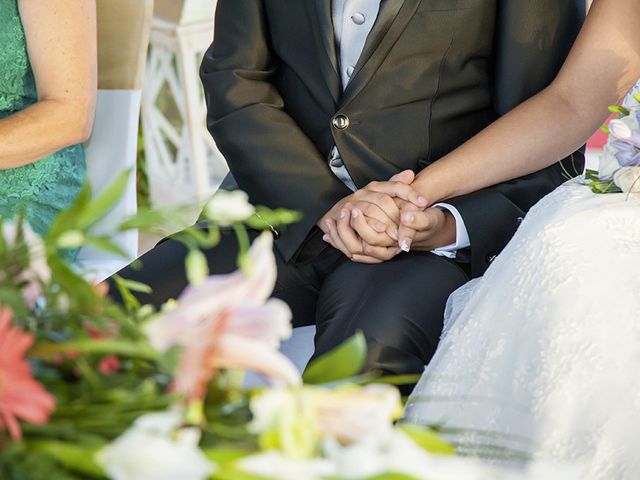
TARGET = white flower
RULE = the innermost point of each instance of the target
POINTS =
(628, 179)
(155, 449)
(294, 421)
(626, 128)
(608, 164)
(287, 421)
(38, 271)
(227, 208)
(397, 453)
(377, 457)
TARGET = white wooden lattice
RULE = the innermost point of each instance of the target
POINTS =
(183, 164)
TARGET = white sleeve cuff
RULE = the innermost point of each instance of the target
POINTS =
(462, 235)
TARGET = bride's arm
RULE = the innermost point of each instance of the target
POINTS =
(61, 42)
(603, 65)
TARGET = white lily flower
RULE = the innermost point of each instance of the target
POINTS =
(229, 207)
(154, 448)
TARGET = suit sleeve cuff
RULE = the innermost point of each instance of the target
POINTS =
(462, 235)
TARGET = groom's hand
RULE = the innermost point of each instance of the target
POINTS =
(426, 230)
(371, 213)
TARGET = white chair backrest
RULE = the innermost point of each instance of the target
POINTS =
(123, 37)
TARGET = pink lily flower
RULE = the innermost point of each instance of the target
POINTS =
(229, 322)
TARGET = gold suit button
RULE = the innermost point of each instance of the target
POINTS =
(341, 122)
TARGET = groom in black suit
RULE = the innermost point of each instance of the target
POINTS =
(311, 99)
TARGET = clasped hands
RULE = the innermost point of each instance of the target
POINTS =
(378, 222)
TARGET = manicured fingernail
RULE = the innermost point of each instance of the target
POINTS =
(410, 218)
(325, 238)
(422, 201)
(405, 246)
(394, 233)
(343, 214)
(355, 213)
(329, 224)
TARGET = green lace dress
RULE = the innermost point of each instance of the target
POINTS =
(44, 188)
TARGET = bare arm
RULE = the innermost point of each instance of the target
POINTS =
(603, 65)
(61, 41)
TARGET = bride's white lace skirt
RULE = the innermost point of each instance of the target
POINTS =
(541, 358)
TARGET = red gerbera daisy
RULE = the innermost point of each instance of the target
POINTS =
(21, 397)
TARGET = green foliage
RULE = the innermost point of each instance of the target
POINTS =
(427, 439)
(600, 186)
(77, 329)
(619, 110)
(19, 462)
(344, 362)
(72, 457)
(142, 179)
(266, 218)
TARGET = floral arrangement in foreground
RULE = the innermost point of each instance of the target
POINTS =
(619, 168)
(92, 389)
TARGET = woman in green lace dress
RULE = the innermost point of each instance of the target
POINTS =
(47, 103)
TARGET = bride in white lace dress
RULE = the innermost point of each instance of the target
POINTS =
(541, 357)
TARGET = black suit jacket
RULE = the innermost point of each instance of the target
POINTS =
(433, 73)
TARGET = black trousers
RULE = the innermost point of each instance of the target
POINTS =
(399, 305)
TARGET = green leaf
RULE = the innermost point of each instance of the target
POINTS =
(343, 362)
(394, 379)
(197, 267)
(618, 109)
(125, 287)
(591, 174)
(235, 473)
(47, 350)
(267, 217)
(393, 476)
(68, 219)
(224, 456)
(637, 97)
(103, 203)
(75, 458)
(605, 129)
(70, 281)
(133, 286)
(427, 439)
(70, 240)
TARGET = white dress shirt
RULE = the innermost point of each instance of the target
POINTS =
(352, 23)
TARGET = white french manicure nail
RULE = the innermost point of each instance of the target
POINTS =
(343, 213)
(404, 246)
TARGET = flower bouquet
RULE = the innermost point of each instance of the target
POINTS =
(619, 168)
(90, 389)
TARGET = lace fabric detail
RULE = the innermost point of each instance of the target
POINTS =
(17, 85)
(541, 356)
(42, 189)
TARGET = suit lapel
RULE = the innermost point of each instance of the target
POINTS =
(393, 17)
(322, 25)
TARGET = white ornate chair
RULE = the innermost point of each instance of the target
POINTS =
(123, 38)
(184, 165)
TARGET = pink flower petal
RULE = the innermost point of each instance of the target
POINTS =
(242, 353)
